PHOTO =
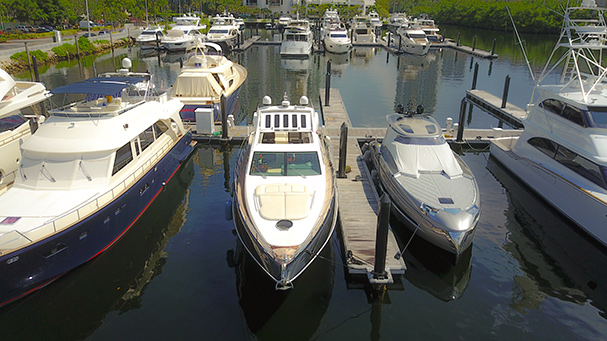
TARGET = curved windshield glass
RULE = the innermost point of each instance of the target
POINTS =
(597, 117)
(285, 164)
(11, 122)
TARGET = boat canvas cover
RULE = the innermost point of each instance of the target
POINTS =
(101, 86)
(190, 84)
(412, 159)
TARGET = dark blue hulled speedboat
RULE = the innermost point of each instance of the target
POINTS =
(204, 78)
(86, 175)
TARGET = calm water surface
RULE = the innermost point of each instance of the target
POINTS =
(180, 272)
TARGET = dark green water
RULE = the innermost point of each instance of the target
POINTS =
(180, 273)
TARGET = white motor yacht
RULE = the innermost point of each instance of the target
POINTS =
(285, 206)
(207, 75)
(297, 39)
(433, 191)
(17, 107)
(562, 152)
(224, 31)
(429, 27)
(150, 38)
(337, 40)
(363, 30)
(86, 176)
(183, 35)
(411, 39)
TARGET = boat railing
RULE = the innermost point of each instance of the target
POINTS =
(14, 239)
(14, 137)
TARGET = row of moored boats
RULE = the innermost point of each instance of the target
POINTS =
(73, 192)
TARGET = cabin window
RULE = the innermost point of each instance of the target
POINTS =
(285, 121)
(268, 121)
(543, 145)
(218, 80)
(146, 138)
(124, 155)
(159, 129)
(231, 82)
(573, 114)
(552, 105)
(597, 117)
(303, 121)
(277, 121)
(571, 160)
(294, 121)
(285, 164)
(11, 122)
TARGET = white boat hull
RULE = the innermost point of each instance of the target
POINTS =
(584, 209)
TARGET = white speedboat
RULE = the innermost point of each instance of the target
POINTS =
(285, 206)
(207, 75)
(150, 38)
(224, 31)
(363, 30)
(432, 189)
(562, 153)
(297, 39)
(411, 39)
(86, 175)
(18, 99)
(184, 34)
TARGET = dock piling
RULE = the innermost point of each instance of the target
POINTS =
(29, 62)
(462, 116)
(474, 43)
(458, 38)
(475, 76)
(343, 150)
(506, 89)
(224, 118)
(381, 239)
(493, 47)
(36, 74)
(328, 83)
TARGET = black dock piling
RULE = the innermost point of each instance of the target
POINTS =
(474, 43)
(381, 239)
(458, 38)
(462, 116)
(343, 150)
(475, 76)
(328, 83)
(493, 47)
(506, 88)
(29, 61)
(36, 74)
(224, 118)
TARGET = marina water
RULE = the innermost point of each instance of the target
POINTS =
(180, 272)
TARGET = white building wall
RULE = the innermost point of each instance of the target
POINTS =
(286, 6)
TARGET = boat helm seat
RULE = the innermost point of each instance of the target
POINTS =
(283, 201)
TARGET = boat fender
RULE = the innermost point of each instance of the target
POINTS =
(228, 210)
(375, 177)
(368, 155)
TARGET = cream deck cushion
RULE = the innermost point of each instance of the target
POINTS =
(283, 201)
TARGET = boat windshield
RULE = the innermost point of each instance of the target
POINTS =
(285, 164)
(214, 31)
(597, 117)
(11, 122)
(428, 141)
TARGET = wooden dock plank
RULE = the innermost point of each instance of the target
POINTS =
(358, 200)
(511, 114)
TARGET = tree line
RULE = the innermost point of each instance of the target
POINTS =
(535, 16)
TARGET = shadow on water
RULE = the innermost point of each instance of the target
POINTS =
(273, 314)
(432, 269)
(74, 306)
(558, 260)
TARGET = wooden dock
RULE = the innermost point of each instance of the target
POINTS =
(492, 104)
(357, 198)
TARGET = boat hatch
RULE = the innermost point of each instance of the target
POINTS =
(283, 202)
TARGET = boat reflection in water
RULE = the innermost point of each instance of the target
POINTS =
(295, 64)
(558, 260)
(429, 269)
(271, 314)
(74, 306)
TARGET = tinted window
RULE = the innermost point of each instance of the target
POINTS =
(544, 145)
(580, 165)
(597, 117)
(146, 138)
(553, 106)
(11, 122)
(573, 114)
(123, 157)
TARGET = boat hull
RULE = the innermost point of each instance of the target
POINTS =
(268, 263)
(410, 214)
(585, 210)
(32, 267)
